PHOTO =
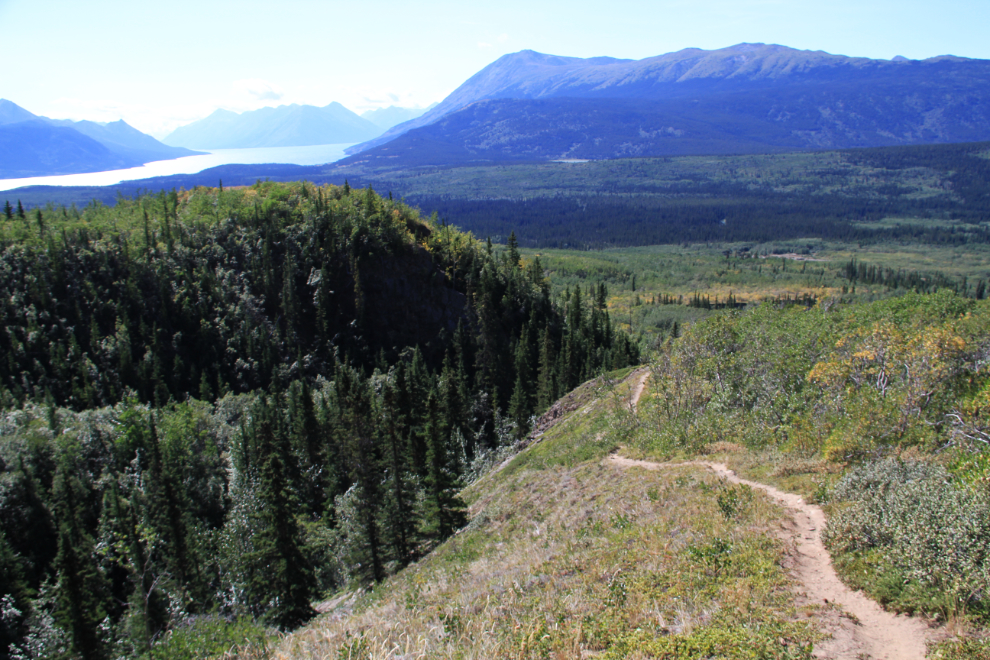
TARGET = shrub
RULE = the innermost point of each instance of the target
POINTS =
(934, 531)
(211, 637)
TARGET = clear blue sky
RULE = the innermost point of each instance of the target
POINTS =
(160, 65)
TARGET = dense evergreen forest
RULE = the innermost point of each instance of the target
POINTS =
(231, 402)
(835, 195)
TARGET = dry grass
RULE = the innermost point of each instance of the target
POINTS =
(577, 560)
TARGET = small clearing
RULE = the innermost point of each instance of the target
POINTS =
(858, 626)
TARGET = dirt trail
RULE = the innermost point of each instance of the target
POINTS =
(859, 627)
(638, 391)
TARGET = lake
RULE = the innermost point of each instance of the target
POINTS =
(312, 155)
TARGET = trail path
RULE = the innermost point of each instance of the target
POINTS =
(859, 627)
(638, 391)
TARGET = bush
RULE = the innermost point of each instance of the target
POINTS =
(934, 531)
(211, 637)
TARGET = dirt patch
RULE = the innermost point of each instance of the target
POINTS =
(859, 627)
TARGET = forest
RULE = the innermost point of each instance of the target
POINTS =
(230, 402)
(872, 196)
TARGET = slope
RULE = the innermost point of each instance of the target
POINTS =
(571, 553)
(877, 633)
(568, 557)
(39, 146)
(757, 92)
(34, 148)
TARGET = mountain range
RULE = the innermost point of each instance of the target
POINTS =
(283, 126)
(287, 126)
(386, 118)
(33, 145)
(748, 98)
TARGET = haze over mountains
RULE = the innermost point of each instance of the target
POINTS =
(32, 145)
(529, 106)
(287, 126)
(742, 99)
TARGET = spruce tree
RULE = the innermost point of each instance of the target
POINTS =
(443, 509)
(280, 583)
(307, 444)
(400, 508)
(521, 403)
(15, 601)
(79, 605)
(546, 385)
(512, 247)
(365, 469)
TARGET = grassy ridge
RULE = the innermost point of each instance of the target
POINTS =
(566, 556)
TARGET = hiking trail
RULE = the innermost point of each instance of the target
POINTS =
(858, 626)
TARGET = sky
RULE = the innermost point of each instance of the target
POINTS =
(160, 65)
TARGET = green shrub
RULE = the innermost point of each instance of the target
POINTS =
(931, 530)
(211, 637)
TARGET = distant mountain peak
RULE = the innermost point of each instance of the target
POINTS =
(291, 125)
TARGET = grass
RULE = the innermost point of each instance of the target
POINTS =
(567, 556)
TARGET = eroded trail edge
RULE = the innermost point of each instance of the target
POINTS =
(859, 627)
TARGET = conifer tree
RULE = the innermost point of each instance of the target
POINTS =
(306, 442)
(365, 468)
(289, 299)
(280, 582)
(400, 509)
(512, 247)
(167, 507)
(8, 210)
(79, 602)
(15, 602)
(521, 403)
(443, 509)
(546, 385)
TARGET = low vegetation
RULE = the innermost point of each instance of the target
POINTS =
(566, 556)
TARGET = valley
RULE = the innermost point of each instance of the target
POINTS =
(685, 356)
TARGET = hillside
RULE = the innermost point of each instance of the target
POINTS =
(283, 126)
(579, 547)
(39, 146)
(748, 98)
(233, 400)
(386, 118)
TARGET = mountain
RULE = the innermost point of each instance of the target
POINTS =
(35, 148)
(285, 126)
(125, 140)
(749, 97)
(38, 146)
(11, 113)
(386, 118)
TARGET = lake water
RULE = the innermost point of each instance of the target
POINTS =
(314, 155)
